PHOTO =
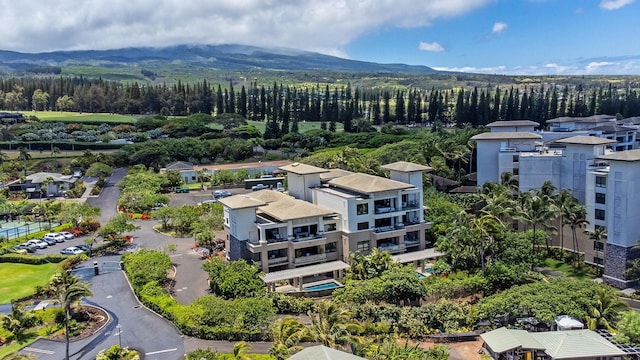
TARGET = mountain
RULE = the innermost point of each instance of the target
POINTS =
(220, 57)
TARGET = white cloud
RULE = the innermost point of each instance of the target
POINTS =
(324, 26)
(614, 4)
(433, 46)
(499, 27)
(595, 67)
(591, 68)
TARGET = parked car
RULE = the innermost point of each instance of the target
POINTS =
(21, 249)
(208, 202)
(219, 194)
(259, 187)
(50, 241)
(72, 250)
(55, 236)
(38, 243)
(29, 247)
(67, 235)
(158, 206)
(84, 247)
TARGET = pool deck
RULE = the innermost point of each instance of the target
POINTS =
(289, 288)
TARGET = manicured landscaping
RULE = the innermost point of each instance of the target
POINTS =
(74, 117)
(19, 280)
(565, 269)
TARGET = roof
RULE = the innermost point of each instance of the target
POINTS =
(628, 155)
(442, 181)
(568, 344)
(587, 119)
(289, 209)
(585, 140)
(241, 202)
(256, 165)
(180, 165)
(417, 255)
(612, 128)
(268, 196)
(303, 271)
(334, 173)
(364, 183)
(465, 189)
(405, 166)
(40, 177)
(303, 169)
(576, 344)
(322, 352)
(506, 135)
(503, 339)
(513, 123)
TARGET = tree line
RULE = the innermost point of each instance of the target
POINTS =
(283, 107)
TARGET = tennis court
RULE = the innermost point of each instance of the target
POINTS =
(14, 229)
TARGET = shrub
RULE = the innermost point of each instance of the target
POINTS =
(146, 266)
(286, 304)
(32, 259)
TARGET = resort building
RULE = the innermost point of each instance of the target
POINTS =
(43, 184)
(602, 179)
(326, 215)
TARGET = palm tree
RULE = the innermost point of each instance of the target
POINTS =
(564, 200)
(68, 291)
(536, 211)
(54, 152)
(287, 333)
(606, 310)
(24, 156)
(3, 157)
(576, 217)
(331, 325)
(18, 321)
(486, 225)
(511, 182)
(240, 349)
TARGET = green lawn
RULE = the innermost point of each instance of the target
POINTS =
(18, 280)
(303, 127)
(565, 269)
(74, 117)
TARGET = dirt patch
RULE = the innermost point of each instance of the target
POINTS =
(463, 350)
(89, 319)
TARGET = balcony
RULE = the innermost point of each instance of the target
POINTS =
(412, 242)
(278, 260)
(384, 209)
(508, 149)
(309, 259)
(383, 229)
(392, 248)
(410, 205)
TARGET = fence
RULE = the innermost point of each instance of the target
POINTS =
(22, 229)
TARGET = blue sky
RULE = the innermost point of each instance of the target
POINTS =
(529, 37)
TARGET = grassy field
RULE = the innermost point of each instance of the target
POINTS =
(303, 127)
(18, 280)
(565, 269)
(81, 118)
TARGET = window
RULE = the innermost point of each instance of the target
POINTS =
(599, 214)
(362, 209)
(330, 247)
(516, 171)
(598, 246)
(363, 245)
(597, 260)
(329, 227)
(363, 225)
(601, 181)
(601, 198)
(516, 158)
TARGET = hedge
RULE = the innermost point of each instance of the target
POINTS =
(62, 145)
(32, 259)
(8, 245)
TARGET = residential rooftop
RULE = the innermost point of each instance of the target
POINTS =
(585, 140)
(241, 202)
(303, 169)
(40, 177)
(511, 123)
(506, 135)
(368, 184)
(405, 166)
(628, 155)
(290, 209)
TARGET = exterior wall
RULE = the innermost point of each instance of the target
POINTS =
(535, 169)
(189, 176)
(241, 223)
(341, 205)
(576, 159)
(524, 128)
(615, 264)
(487, 152)
(299, 186)
(623, 203)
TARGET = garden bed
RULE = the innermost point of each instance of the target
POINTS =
(91, 318)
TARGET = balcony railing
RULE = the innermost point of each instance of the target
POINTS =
(278, 260)
(410, 205)
(310, 258)
(306, 237)
(412, 242)
(382, 229)
(384, 209)
(391, 247)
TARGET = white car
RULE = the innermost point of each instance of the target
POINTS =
(72, 250)
(67, 235)
(55, 236)
(38, 243)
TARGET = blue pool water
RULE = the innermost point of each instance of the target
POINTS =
(423, 275)
(420, 275)
(325, 286)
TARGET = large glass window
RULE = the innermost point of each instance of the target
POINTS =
(330, 247)
(329, 227)
(363, 245)
(601, 198)
(363, 225)
(601, 181)
(598, 246)
(362, 209)
(599, 214)
(597, 260)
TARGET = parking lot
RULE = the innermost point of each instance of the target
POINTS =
(194, 197)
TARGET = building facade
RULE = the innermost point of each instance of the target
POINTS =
(326, 215)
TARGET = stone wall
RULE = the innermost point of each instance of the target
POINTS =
(616, 263)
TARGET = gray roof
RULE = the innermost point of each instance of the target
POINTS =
(506, 135)
(303, 169)
(569, 344)
(322, 352)
(368, 184)
(290, 209)
(587, 119)
(334, 173)
(513, 123)
(585, 140)
(627, 155)
(612, 128)
(180, 165)
(303, 271)
(40, 177)
(405, 166)
(241, 202)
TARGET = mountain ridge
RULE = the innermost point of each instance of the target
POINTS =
(223, 57)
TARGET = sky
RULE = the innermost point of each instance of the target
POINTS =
(515, 37)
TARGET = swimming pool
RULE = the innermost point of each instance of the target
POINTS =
(323, 286)
(427, 272)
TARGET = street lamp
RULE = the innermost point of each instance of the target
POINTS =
(119, 337)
